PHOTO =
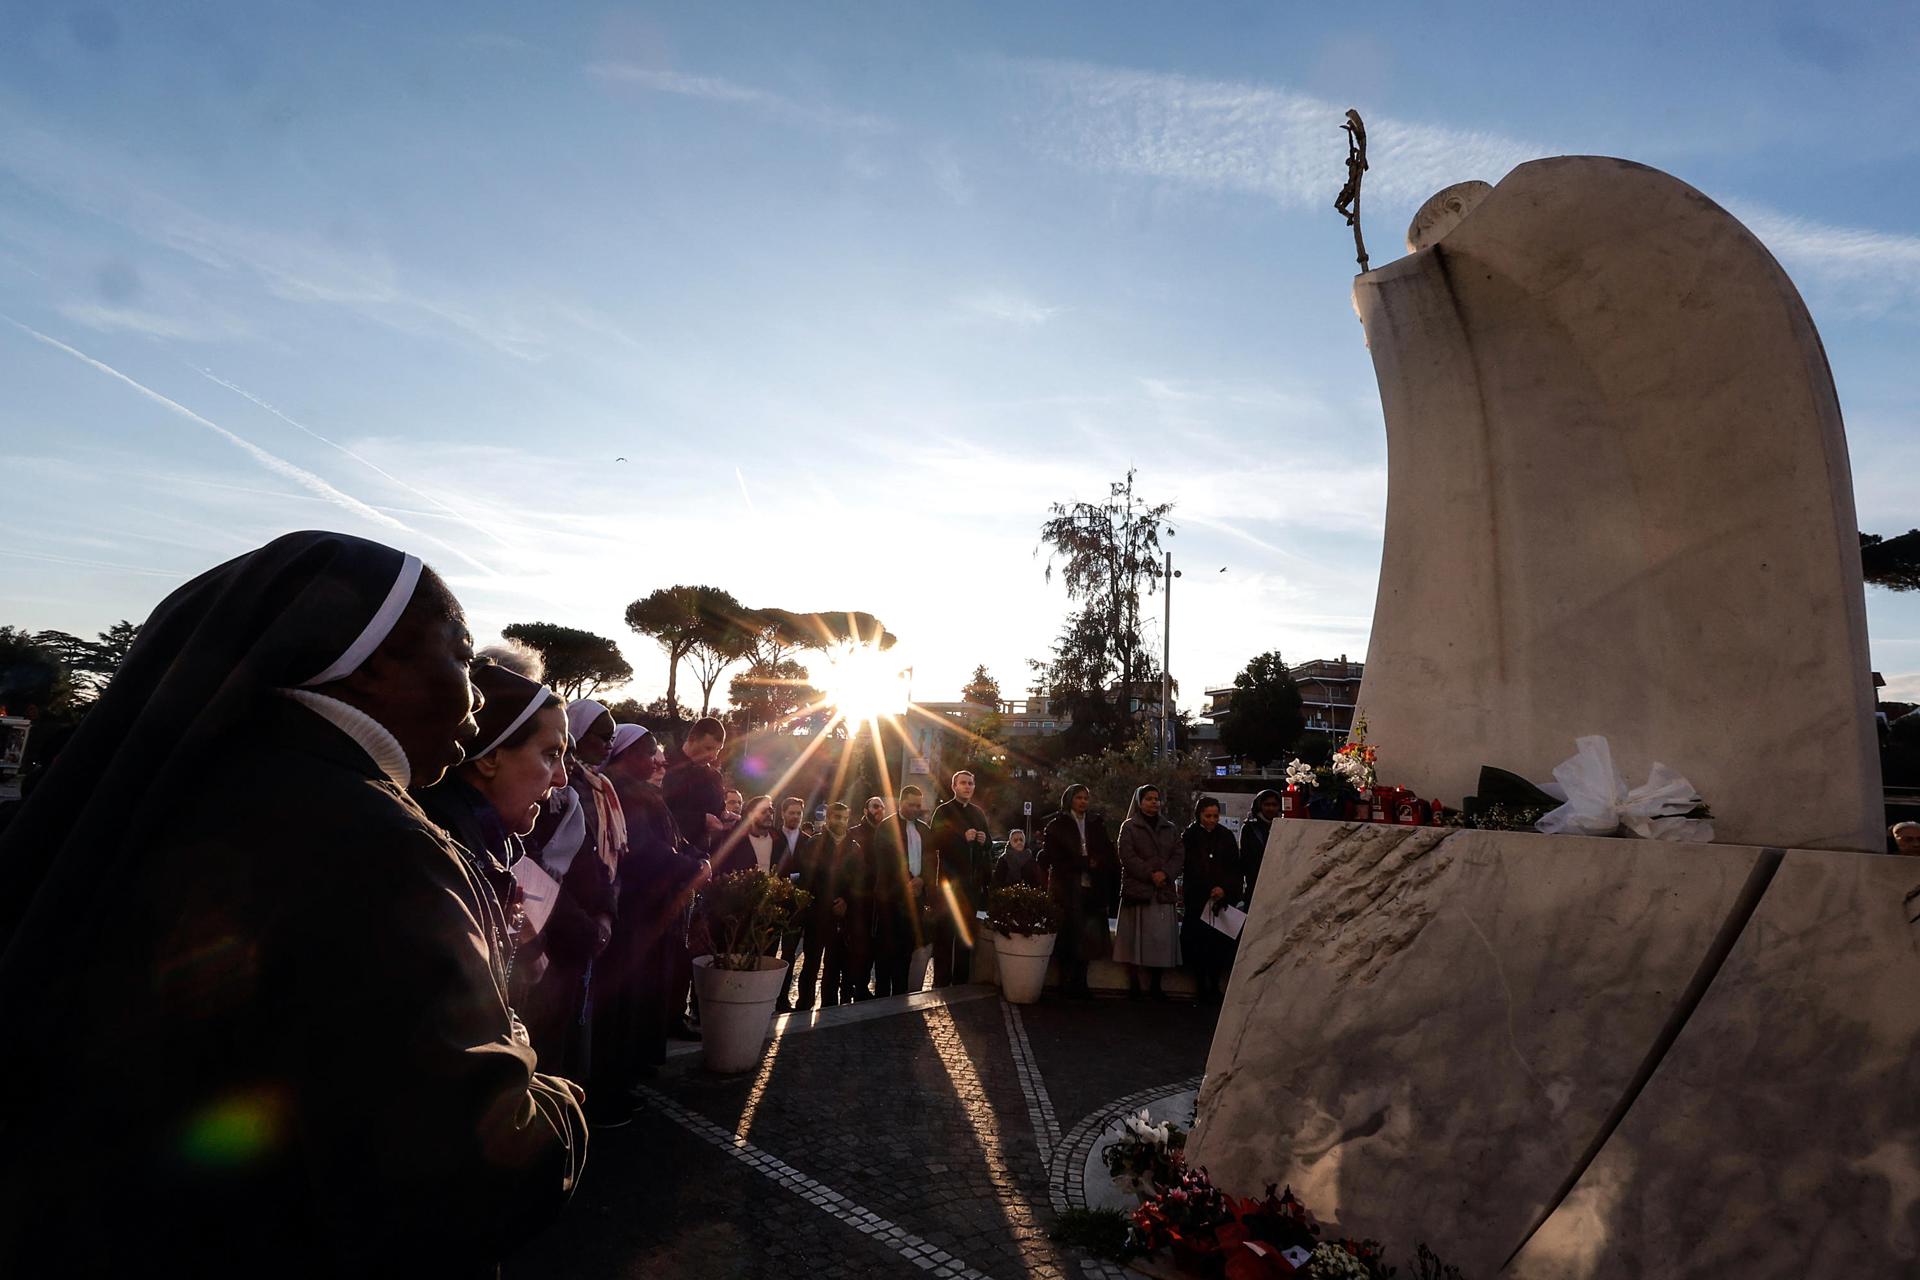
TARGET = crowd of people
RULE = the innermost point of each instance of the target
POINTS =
(327, 940)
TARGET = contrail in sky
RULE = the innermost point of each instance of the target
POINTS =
(273, 462)
(743, 491)
(376, 468)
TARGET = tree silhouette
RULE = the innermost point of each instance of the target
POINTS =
(91, 663)
(1265, 719)
(982, 689)
(1893, 563)
(579, 663)
(1108, 556)
(678, 618)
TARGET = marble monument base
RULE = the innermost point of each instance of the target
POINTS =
(1552, 1056)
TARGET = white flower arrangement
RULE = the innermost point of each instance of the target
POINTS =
(1142, 1128)
(1354, 771)
(1331, 1262)
(1299, 774)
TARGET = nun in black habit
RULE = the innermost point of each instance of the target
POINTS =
(255, 1001)
(490, 803)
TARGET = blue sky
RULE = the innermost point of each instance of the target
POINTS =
(856, 290)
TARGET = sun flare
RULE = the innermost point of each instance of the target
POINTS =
(863, 683)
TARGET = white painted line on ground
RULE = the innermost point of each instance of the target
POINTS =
(881, 1231)
(1046, 1128)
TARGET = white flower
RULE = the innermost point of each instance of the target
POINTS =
(1143, 1129)
(1331, 1262)
(1299, 774)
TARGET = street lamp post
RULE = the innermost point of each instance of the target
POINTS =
(1166, 670)
(906, 735)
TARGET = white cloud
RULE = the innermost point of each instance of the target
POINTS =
(1008, 308)
(271, 461)
(727, 92)
(1233, 136)
(153, 324)
(293, 267)
(1286, 146)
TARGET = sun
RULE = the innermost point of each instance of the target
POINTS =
(863, 683)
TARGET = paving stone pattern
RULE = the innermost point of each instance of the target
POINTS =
(895, 1147)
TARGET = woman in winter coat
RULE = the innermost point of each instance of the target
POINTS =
(1211, 882)
(1150, 860)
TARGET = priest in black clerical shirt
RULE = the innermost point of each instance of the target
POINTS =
(255, 1001)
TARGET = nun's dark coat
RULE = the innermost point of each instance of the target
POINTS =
(319, 1073)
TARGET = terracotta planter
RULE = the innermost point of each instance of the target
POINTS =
(1022, 962)
(736, 1011)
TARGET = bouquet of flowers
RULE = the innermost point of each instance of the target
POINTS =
(1147, 1156)
(1352, 765)
(1218, 1235)
(1300, 774)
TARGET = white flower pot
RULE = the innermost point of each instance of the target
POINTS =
(736, 1011)
(1022, 962)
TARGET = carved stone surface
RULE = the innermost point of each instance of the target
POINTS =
(1436, 1035)
(1443, 212)
(1618, 503)
(1781, 1133)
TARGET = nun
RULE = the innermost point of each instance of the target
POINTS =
(1151, 858)
(1254, 834)
(492, 800)
(255, 999)
(578, 841)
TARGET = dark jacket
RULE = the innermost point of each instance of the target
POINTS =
(1253, 844)
(692, 792)
(828, 868)
(312, 968)
(967, 865)
(891, 871)
(1029, 872)
(1147, 846)
(1066, 859)
(1212, 860)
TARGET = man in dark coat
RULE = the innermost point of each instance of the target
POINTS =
(1078, 856)
(274, 990)
(827, 867)
(859, 889)
(905, 867)
(695, 792)
(966, 858)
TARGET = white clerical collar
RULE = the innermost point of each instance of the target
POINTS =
(369, 734)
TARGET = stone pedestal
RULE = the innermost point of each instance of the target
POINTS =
(1551, 1056)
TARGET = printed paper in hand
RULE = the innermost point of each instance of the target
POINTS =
(538, 890)
(1228, 920)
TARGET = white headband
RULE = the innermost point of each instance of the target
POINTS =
(377, 629)
(538, 700)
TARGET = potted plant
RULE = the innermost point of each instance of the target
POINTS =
(745, 913)
(1023, 920)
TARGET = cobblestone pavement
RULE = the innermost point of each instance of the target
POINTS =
(899, 1146)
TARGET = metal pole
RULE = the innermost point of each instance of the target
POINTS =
(906, 739)
(1166, 671)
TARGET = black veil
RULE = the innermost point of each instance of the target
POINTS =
(304, 609)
